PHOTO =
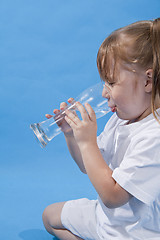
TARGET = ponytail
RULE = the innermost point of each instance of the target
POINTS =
(155, 39)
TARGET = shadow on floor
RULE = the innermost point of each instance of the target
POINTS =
(36, 234)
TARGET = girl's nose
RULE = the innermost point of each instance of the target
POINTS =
(105, 92)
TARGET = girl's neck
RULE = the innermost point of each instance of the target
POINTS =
(147, 112)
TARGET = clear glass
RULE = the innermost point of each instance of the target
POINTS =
(45, 131)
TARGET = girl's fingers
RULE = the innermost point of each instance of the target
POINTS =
(69, 121)
(83, 111)
(87, 113)
(70, 100)
(72, 117)
(48, 116)
(55, 111)
(91, 112)
(63, 105)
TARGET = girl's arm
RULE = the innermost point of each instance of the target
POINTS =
(74, 151)
(85, 133)
(110, 192)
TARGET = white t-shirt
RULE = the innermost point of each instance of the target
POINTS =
(133, 153)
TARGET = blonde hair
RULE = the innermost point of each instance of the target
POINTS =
(137, 43)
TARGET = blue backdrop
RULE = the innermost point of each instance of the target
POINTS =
(48, 53)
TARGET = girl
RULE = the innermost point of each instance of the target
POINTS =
(123, 163)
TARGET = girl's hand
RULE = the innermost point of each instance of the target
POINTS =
(85, 130)
(65, 127)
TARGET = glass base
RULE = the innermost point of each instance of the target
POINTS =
(39, 134)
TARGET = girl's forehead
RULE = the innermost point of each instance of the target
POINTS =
(115, 66)
(113, 57)
(119, 64)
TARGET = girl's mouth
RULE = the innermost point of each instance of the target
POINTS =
(113, 109)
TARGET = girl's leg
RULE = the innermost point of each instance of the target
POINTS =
(52, 222)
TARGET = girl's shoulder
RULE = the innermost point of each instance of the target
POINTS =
(149, 125)
(145, 132)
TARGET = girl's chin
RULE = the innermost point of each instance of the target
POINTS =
(121, 115)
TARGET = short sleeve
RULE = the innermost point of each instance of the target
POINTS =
(139, 172)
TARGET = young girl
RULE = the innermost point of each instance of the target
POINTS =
(123, 163)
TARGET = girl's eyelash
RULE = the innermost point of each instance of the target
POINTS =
(111, 83)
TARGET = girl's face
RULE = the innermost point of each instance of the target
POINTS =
(128, 93)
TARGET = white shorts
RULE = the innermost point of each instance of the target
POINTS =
(79, 217)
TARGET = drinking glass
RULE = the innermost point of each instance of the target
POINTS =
(45, 131)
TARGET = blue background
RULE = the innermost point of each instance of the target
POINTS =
(47, 54)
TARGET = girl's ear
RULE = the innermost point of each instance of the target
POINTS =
(148, 82)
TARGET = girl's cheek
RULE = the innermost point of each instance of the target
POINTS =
(117, 93)
(114, 94)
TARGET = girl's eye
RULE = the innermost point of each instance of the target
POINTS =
(111, 84)
(108, 85)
